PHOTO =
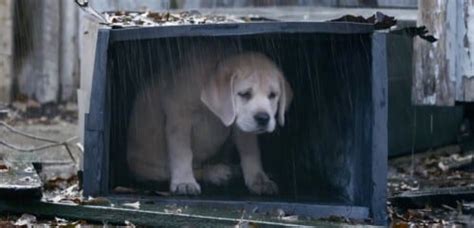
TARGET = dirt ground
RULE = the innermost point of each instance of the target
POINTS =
(429, 170)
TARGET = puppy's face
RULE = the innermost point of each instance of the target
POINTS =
(256, 99)
(248, 90)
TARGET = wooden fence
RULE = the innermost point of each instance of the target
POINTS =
(40, 40)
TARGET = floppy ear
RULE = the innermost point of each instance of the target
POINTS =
(285, 100)
(217, 95)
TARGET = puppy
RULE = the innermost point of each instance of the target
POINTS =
(184, 119)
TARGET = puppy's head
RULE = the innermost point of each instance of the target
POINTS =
(249, 90)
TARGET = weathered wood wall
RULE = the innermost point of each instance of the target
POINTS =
(37, 49)
(46, 49)
(434, 70)
(6, 49)
(46, 62)
(465, 51)
(444, 71)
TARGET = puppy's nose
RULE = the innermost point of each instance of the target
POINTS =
(262, 118)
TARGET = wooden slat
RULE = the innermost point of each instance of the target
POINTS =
(151, 214)
(434, 72)
(465, 51)
(6, 48)
(379, 152)
(433, 197)
(19, 179)
(38, 73)
(69, 52)
(444, 70)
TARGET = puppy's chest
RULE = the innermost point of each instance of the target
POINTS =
(208, 135)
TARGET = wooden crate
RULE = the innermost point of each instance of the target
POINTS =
(331, 157)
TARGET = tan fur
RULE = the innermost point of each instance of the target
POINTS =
(179, 123)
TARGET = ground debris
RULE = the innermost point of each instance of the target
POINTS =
(135, 205)
(121, 19)
(174, 209)
(429, 189)
(440, 168)
(379, 20)
(59, 190)
(97, 201)
(31, 112)
(428, 217)
(26, 220)
(455, 161)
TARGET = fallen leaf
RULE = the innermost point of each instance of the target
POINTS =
(99, 201)
(290, 218)
(3, 167)
(135, 205)
(162, 193)
(25, 220)
(129, 224)
(124, 190)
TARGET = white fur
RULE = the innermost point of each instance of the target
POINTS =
(180, 122)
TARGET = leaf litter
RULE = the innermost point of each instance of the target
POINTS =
(445, 167)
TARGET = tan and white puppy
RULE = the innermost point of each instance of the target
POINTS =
(180, 122)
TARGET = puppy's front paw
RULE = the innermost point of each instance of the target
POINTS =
(260, 184)
(217, 174)
(185, 188)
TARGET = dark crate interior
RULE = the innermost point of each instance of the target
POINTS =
(321, 155)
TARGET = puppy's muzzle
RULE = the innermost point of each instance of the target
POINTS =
(262, 119)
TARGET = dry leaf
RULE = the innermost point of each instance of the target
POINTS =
(25, 220)
(129, 224)
(3, 167)
(124, 190)
(290, 218)
(99, 201)
(135, 205)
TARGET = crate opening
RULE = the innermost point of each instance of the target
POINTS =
(321, 155)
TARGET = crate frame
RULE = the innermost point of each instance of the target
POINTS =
(97, 154)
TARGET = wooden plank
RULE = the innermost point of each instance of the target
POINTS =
(39, 72)
(434, 68)
(87, 45)
(19, 179)
(433, 197)
(69, 51)
(6, 49)
(151, 214)
(379, 150)
(465, 50)
(96, 157)
(268, 206)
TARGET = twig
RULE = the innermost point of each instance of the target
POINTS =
(42, 147)
(69, 152)
(53, 143)
(12, 129)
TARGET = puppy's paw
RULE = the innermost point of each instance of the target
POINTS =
(185, 188)
(217, 174)
(260, 184)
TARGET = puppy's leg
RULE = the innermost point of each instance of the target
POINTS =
(218, 174)
(178, 134)
(255, 178)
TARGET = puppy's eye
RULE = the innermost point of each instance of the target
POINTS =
(272, 95)
(245, 95)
